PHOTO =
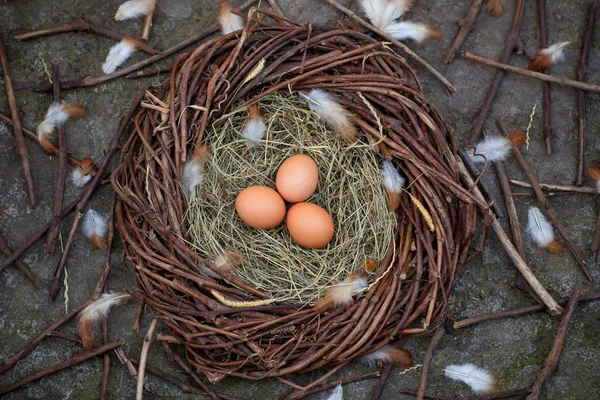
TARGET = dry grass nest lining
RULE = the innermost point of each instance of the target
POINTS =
(350, 189)
(384, 97)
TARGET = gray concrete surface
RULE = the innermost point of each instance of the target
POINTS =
(513, 349)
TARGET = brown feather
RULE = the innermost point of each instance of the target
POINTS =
(323, 305)
(254, 112)
(47, 146)
(517, 138)
(86, 165)
(400, 356)
(84, 328)
(594, 173)
(540, 62)
(393, 200)
(555, 247)
(98, 242)
(495, 7)
(74, 110)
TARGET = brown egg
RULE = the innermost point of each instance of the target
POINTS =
(260, 207)
(297, 178)
(310, 225)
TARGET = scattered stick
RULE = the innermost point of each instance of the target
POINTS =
(19, 264)
(80, 24)
(74, 161)
(515, 313)
(439, 332)
(395, 42)
(558, 188)
(380, 385)
(298, 394)
(582, 70)
(493, 396)
(62, 172)
(17, 129)
(532, 74)
(152, 71)
(510, 42)
(148, 23)
(546, 206)
(74, 360)
(551, 361)
(114, 145)
(596, 241)
(275, 7)
(551, 304)
(545, 85)
(105, 361)
(465, 27)
(66, 336)
(133, 371)
(480, 184)
(95, 80)
(143, 357)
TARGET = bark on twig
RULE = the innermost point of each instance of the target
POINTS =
(465, 27)
(298, 394)
(545, 85)
(19, 264)
(510, 43)
(152, 71)
(532, 74)
(14, 112)
(380, 385)
(427, 361)
(62, 172)
(582, 70)
(547, 210)
(596, 240)
(143, 358)
(558, 188)
(114, 145)
(551, 361)
(395, 42)
(80, 24)
(493, 396)
(74, 360)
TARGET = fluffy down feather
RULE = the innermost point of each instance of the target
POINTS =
(388, 354)
(229, 21)
(134, 9)
(411, 30)
(193, 171)
(540, 230)
(255, 129)
(341, 294)
(393, 182)
(494, 148)
(80, 179)
(337, 394)
(383, 13)
(118, 54)
(94, 227)
(548, 56)
(480, 380)
(332, 113)
(96, 311)
(495, 7)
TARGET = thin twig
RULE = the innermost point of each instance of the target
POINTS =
(515, 313)
(31, 135)
(395, 42)
(596, 240)
(545, 85)
(582, 71)
(65, 336)
(480, 184)
(439, 332)
(95, 80)
(80, 24)
(546, 206)
(275, 7)
(114, 145)
(557, 188)
(152, 71)
(533, 74)
(105, 361)
(74, 360)
(14, 112)
(133, 371)
(553, 307)
(510, 43)
(143, 358)
(62, 172)
(298, 394)
(19, 264)
(551, 361)
(493, 396)
(465, 27)
(381, 382)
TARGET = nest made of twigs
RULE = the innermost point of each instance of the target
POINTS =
(385, 99)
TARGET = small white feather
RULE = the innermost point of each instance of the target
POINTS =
(134, 9)
(555, 52)
(94, 224)
(494, 148)
(381, 356)
(55, 116)
(254, 130)
(409, 30)
(337, 394)
(80, 179)
(193, 176)
(229, 21)
(480, 380)
(393, 181)
(101, 307)
(117, 55)
(342, 294)
(539, 228)
(331, 112)
(374, 10)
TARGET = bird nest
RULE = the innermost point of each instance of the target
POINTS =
(228, 323)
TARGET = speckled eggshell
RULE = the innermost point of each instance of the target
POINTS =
(260, 207)
(297, 178)
(310, 225)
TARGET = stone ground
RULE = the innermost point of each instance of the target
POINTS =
(513, 349)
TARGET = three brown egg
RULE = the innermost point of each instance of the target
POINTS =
(263, 208)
